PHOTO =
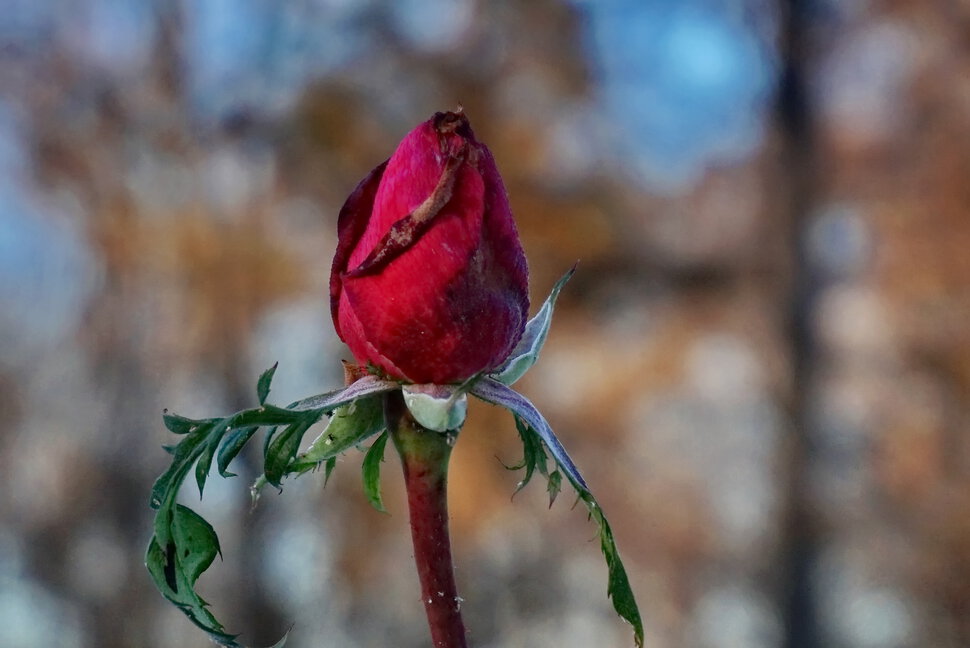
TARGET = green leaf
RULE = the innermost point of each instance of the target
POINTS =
(331, 464)
(176, 564)
(179, 424)
(184, 455)
(618, 587)
(204, 462)
(283, 448)
(232, 445)
(178, 529)
(262, 385)
(268, 439)
(554, 486)
(492, 391)
(533, 454)
(267, 415)
(530, 423)
(526, 352)
(195, 540)
(216, 432)
(371, 470)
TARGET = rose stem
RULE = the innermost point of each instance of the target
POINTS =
(424, 456)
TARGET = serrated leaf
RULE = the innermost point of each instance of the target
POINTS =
(618, 587)
(204, 463)
(554, 486)
(533, 454)
(532, 440)
(350, 425)
(262, 385)
(179, 424)
(436, 407)
(283, 448)
(182, 545)
(232, 445)
(175, 566)
(183, 456)
(202, 466)
(268, 439)
(196, 541)
(526, 352)
(264, 415)
(371, 472)
(328, 470)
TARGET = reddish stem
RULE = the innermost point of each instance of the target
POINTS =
(424, 456)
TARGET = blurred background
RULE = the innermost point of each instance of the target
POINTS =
(762, 365)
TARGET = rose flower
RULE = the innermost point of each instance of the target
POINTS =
(429, 282)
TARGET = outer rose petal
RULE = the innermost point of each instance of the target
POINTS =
(353, 334)
(351, 224)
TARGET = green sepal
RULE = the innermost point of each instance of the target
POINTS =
(437, 407)
(263, 384)
(526, 352)
(349, 426)
(371, 472)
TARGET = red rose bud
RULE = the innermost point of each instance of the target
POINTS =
(429, 282)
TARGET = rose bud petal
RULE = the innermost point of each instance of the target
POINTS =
(429, 282)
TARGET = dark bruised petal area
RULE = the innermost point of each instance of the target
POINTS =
(430, 282)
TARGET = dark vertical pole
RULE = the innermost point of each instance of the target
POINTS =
(799, 157)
